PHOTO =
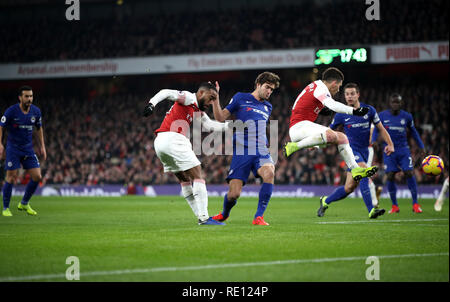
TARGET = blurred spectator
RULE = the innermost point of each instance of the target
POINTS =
(105, 140)
(306, 24)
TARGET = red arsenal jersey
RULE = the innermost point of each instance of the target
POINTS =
(178, 118)
(309, 103)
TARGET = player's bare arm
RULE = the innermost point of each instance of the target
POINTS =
(389, 149)
(220, 114)
(40, 134)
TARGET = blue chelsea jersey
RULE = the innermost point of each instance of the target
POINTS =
(396, 126)
(255, 114)
(20, 126)
(357, 128)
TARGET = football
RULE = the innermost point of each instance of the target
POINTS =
(432, 165)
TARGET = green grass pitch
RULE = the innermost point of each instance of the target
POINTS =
(136, 238)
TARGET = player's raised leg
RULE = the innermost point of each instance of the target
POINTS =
(307, 134)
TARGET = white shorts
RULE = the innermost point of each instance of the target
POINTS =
(175, 152)
(305, 129)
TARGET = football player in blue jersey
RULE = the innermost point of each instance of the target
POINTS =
(357, 129)
(396, 122)
(250, 151)
(19, 122)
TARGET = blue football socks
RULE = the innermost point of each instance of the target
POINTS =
(392, 189)
(29, 191)
(227, 206)
(412, 185)
(338, 194)
(365, 192)
(7, 191)
(264, 197)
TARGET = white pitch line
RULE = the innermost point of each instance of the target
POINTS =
(381, 221)
(212, 266)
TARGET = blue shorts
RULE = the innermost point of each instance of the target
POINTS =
(399, 160)
(241, 165)
(361, 155)
(15, 158)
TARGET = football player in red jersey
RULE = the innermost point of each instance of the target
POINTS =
(304, 133)
(174, 149)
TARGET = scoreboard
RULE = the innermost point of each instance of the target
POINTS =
(342, 56)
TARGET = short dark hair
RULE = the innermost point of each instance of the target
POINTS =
(332, 74)
(395, 95)
(24, 88)
(267, 77)
(352, 85)
(207, 85)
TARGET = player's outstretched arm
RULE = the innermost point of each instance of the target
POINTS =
(341, 108)
(220, 114)
(389, 149)
(213, 125)
(182, 97)
(415, 134)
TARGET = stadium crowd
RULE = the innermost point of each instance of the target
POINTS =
(307, 24)
(103, 139)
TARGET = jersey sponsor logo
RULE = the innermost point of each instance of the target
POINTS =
(401, 129)
(28, 127)
(358, 125)
(266, 116)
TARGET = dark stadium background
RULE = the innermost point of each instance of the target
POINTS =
(94, 129)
